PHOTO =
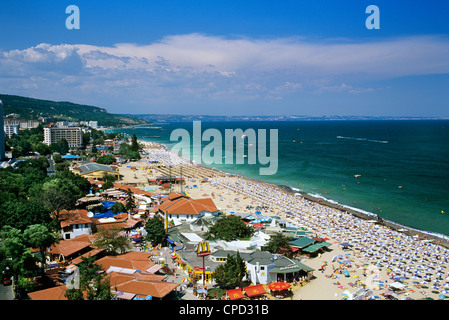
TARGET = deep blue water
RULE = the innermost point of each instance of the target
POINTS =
(403, 165)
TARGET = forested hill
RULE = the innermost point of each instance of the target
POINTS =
(30, 108)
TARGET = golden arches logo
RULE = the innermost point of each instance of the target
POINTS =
(203, 248)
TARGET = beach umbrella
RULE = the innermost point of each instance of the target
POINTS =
(346, 244)
(278, 286)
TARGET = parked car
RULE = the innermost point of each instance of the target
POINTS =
(6, 281)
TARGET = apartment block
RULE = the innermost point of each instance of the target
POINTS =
(73, 135)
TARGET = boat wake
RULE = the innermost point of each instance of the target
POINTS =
(362, 139)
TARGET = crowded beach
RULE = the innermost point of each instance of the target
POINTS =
(365, 254)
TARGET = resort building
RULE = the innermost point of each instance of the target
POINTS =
(93, 124)
(309, 246)
(181, 207)
(22, 123)
(2, 134)
(11, 129)
(73, 135)
(66, 251)
(132, 277)
(264, 267)
(75, 223)
(95, 170)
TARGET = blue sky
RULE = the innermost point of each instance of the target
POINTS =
(231, 57)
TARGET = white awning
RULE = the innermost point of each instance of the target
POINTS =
(397, 285)
(192, 237)
(154, 268)
(120, 270)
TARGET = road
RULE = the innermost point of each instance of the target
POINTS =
(51, 169)
(6, 292)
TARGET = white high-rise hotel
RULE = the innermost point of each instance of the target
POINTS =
(2, 134)
(73, 135)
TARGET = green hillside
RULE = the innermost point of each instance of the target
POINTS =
(30, 108)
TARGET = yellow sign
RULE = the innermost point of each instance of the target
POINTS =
(166, 221)
(203, 249)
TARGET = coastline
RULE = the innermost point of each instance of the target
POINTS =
(376, 247)
(442, 239)
(359, 213)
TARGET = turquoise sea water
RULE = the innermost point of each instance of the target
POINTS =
(403, 165)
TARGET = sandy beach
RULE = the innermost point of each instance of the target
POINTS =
(377, 256)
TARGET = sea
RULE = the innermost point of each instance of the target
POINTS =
(395, 169)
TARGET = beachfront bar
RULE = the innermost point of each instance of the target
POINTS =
(289, 270)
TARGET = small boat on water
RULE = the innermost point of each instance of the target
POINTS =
(357, 175)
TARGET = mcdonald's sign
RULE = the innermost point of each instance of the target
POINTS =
(203, 249)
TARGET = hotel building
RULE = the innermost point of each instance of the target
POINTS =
(73, 135)
(2, 134)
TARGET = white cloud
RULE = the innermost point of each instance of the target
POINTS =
(397, 57)
(198, 66)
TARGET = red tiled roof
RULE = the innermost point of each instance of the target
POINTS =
(68, 247)
(55, 293)
(73, 217)
(135, 255)
(142, 286)
(111, 261)
(176, 195)
(135, 190)
(121, 221)
(91, 253)
(188, 206)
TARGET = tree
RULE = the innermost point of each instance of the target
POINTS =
(82, 184)
(20, 190)
(130, 203)
(155, 231)
(93, 284)
(112, 241)
(277, 242)
(118, 207)
(56, 201)
(57, 158)
(39, 236)
(62, 166)
(15, 254)
(130, 152)
(134, 143)
(63, 189)
(23, 285)
(106, 159)
(108, 180)
(230, 228)
(23, 213)
(62, 146)
(230, 274)
(42, 148)
(132, 155)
